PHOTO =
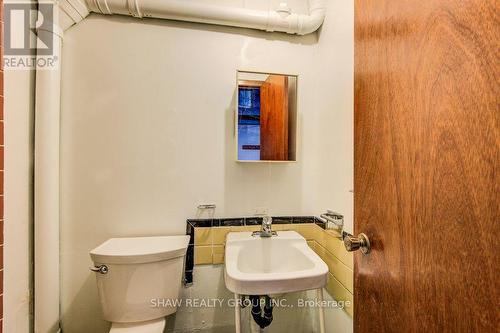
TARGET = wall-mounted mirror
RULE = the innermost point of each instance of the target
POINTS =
(266, 128)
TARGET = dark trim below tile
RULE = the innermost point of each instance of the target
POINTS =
(189, 266)
(282, 220)
(253, 220)
(201, 223)
(232, 222)
(304, 219)
(319, 222)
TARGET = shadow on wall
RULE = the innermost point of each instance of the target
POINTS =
(85, 304)
(209, 285)
(309, 39)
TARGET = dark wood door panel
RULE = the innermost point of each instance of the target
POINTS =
(427, 148)
(274, 116)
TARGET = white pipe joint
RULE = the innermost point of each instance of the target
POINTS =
(313, 21)
(276, 20)
(134, 9)
(71, 12)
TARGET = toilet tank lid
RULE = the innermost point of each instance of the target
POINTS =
(136, 250)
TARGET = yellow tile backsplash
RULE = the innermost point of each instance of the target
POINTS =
(306, 230)
(250, 228)
(202, 255)
(209, 249)
(218, 236)
(337, 268)
(218, 254)
(203, 236)
(280, 227)
(335, 246)
(340, 293)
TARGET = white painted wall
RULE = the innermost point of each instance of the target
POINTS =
(147, 130)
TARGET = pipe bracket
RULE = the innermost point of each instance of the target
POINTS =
(134, 8)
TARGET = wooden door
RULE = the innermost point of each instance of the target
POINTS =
(274, 118)
(426, 179)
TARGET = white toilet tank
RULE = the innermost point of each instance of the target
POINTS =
(141, 276)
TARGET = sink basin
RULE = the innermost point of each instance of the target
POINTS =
(274, 265)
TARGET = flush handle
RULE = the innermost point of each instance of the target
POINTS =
(361, 242)
(103, 269)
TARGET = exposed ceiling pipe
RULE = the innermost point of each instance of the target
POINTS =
(46, 185)
(71, 12)
(281, 19)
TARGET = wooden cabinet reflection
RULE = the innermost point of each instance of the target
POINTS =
(266, 117)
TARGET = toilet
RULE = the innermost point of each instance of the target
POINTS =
(138, 280)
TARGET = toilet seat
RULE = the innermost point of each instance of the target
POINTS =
(150, 326)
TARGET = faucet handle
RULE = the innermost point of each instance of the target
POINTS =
(334, 214)
(267, 219)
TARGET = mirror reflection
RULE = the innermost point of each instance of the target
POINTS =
(266, 117)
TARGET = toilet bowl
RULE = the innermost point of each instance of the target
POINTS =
(138, 280)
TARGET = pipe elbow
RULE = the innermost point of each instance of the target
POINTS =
(71, 12)
(299, 24)
(99, 6)
(312, 22)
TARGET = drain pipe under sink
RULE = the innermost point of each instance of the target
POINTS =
(267, 318)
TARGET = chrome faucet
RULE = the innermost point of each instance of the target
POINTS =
(265, 230)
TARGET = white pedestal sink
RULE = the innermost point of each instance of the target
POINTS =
(284, 263)
(263, 266)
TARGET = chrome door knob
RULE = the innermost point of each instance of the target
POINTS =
(361, 242)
